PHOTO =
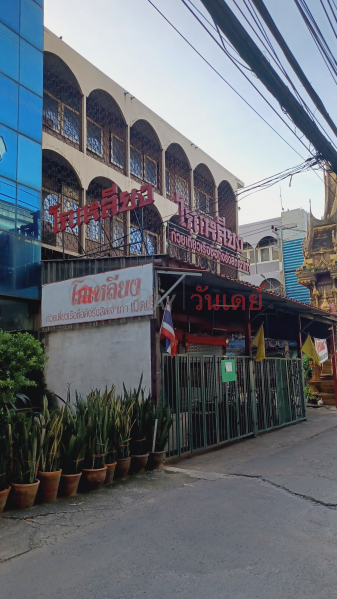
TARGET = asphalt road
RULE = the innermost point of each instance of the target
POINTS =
(254, 520)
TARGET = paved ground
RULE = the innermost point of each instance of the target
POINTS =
(257, 519)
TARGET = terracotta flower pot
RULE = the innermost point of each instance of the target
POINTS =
(110, 472)
(139, 462)
(3, 498)
(23, 496)
(156, 459)
(94, 478)
(122, 467)
(49, 485)
(69, 484)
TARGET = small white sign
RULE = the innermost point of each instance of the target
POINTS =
(322, 349)
(229, 367)
(116, 294)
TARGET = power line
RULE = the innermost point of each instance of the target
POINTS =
(229, 85)
(225, 81)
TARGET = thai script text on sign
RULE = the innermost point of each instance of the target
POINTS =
(112, 203)
(116, 294)
(215, 230)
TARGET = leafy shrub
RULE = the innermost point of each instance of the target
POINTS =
(20, 355)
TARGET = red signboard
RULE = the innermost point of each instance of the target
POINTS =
(112, 203)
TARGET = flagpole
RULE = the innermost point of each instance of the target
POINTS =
(167, 301)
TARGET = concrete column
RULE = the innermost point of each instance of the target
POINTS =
(163, 174)
(127, 233)
(82, 229)
(192, 205)
(192, 189)
(216, 204)
(127, 152)
(83, 140)
(163, 237)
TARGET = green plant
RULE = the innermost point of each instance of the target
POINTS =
(20, 355)
(5, 450)
(310, 398)
(124, 423)
(26, 446)
(52, 427)
(97, 418)
(164, 423)
(306, 367)
(74, 439)
(142, 418)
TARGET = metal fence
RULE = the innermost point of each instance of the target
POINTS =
(207, 412)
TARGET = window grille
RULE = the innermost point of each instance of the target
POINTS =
(94, 138)
(145, 231)
(177, 173)
(145, 154)
(204, 190)
(104, 235)
(227, 205)
(106, 130)
(61, 100)
(60, 186)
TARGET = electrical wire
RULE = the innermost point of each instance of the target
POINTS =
(244, 74)
(227, 83)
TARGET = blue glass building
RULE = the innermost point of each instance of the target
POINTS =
(21, 97)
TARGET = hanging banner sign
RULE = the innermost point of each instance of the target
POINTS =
(107, 296)
(322, 350)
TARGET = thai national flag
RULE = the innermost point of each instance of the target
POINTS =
(167, 331)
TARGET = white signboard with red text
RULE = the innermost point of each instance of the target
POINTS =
(322, 349)
(116, 294)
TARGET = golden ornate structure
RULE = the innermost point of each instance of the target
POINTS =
(319, 269)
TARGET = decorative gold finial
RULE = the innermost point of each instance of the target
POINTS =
(316, 294)
(325, 304)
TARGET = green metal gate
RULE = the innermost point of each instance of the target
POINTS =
(207, 412)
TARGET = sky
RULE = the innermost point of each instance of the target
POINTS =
(132, 44)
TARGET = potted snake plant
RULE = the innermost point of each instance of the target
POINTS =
(111, 453)
(5, 460)
(73, 447)
(124, 410)
(96, 418)
(50, 472)
(26, 445)
(164, 423)
(141, 417)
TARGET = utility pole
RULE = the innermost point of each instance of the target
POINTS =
(252, 55)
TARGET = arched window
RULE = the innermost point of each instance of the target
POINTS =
(177, 173)
(61, 100)
(248, 251)
(267, 250)
(106, 130)
(145, 231)
(145, 154)
(227, 205)
(108, 233)
(204, 190)
(60, 185)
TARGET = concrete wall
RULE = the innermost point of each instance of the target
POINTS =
(95, 357)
